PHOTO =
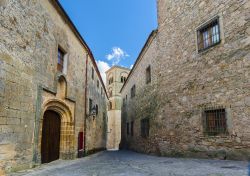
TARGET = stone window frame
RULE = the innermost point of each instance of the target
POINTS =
(65, 60)
(221, 33)
(229, 126)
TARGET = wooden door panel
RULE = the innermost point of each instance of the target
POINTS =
(50, 148)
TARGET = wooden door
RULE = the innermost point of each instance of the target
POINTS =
(50, 137)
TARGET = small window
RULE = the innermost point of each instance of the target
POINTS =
(60, 60)
(96, 107)
(127, 128)
(208, 35)
(215, 122)
(132, 91)
(97, 83)
(148, 75)
(90, 105)
(110, 105)
(111, 80)
(92, 73)
(145, 128)
(132, 128)
(110, 93)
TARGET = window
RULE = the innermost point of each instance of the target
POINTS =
(92, 73)
(215, 122)
(110, 105)
(90, 105)
(97, 83)
(60, 60)
(111, 80)
(101, 91)
(110, 93)
(96, 107)
(148, 75)
(208, 35)
(132, 128)
(132, 91)
(145, 128)
(127, 128)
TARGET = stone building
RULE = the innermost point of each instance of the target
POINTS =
(116, 77)
(189, 90)
(46, 83)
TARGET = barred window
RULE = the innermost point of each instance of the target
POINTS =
(145, 128)
(60, 60)
(215, 122)
(208, 35)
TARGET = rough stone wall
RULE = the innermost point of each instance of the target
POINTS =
(188, 82)
(96, 126)
(31, 32)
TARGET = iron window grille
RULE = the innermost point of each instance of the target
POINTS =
(145, 128)
(209, 35)
(215, 122)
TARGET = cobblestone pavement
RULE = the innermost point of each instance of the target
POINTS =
(126, 163)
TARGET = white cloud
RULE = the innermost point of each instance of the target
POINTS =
(103, 67)
(131, 66)
(116, 55)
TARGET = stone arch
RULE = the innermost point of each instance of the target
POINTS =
(67, 126)
(61, 87)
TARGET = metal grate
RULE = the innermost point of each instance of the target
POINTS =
(215, 122)
(208, 35)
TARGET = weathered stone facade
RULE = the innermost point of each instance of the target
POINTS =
(116, 77)
(30, 85)
(186, 82)
(96, 127)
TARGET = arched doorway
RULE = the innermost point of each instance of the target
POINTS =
(50, 148)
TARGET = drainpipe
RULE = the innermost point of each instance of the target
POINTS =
(86, 99)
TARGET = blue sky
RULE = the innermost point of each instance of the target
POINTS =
(115, 30)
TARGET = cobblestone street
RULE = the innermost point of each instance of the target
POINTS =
(126, 163)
